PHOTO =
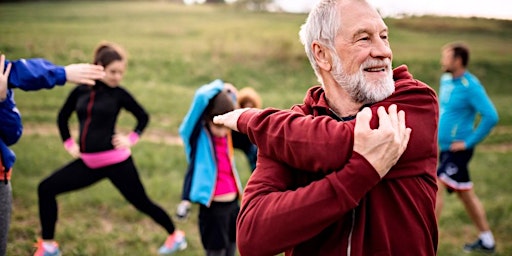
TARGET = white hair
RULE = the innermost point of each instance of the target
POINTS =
(322, 25)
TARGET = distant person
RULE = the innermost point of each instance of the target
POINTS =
(28, 75)
(101, 153)
(330, 179)
(247, 98)
(211, 180)
(462, 99)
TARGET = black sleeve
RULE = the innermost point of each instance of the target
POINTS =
(130, 104)
(65, 112)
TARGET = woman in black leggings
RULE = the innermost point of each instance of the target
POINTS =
(100, 152)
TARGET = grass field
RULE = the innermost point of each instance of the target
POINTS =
(173, 50)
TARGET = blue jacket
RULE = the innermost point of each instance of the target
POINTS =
(461, 99)
(27, 75)
(199, 183)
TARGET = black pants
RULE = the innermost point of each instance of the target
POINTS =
(77, 175)
(217, 225)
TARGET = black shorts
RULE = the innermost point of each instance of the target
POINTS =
(453, 169)
(217, 224)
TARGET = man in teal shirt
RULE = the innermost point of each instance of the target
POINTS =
(462, 99)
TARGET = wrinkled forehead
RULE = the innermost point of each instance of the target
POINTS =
(356, 15)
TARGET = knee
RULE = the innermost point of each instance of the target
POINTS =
(43, 188)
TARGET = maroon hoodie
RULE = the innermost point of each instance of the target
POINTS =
(311, 195)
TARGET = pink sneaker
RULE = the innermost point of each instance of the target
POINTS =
(173, 243)
(42, 251)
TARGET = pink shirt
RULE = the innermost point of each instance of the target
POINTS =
(225, 180)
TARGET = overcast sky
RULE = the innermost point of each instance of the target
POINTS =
(500, 9)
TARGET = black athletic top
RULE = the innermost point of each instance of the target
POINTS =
(97, 109)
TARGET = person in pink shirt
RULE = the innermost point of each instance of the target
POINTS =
(211, 180)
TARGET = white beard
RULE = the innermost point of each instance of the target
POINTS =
(357, 86)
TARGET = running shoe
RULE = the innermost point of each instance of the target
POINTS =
(478, 246)
(173, 243)
(183, 210)
(42, 251)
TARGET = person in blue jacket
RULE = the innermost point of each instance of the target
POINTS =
(211, 180)
(462, 99)
(27, 75)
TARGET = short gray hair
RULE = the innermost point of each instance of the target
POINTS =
(322, 25)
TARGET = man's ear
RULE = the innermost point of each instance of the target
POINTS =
(322, 56)
(458, 61)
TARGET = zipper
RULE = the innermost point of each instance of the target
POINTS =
(349, 245)
(212, 146)
(88, 119)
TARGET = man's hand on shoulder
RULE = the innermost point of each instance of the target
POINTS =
(382, 147)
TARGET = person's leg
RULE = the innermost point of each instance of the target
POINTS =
(471, 202)
(476, 212)
(126, 179)
(234, 209)
(5, 214)
(444, 161)
(231, 250)
(217, 226)
(75, 175)
(221, 252)
(474, 208)
(210, 228)
(439, 199)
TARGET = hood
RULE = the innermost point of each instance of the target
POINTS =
(315, 96)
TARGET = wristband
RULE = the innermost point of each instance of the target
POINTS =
(133, 137)
(69, 143)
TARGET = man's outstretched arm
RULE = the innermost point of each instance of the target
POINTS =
(36, 74)
(321, 143)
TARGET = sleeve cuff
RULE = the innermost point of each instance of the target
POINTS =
(60, 74)
(244, 119)
(69, 143)
(133, 137)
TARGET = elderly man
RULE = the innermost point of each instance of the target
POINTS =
(321, 185)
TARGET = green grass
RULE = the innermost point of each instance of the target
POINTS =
(173, 50)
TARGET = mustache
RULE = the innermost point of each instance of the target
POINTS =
(370, 63)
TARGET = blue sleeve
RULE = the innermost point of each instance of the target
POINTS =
(35, 74)
(10, 129)
(7, 155)
(488, 115)
(202, 97)
(11, 126)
